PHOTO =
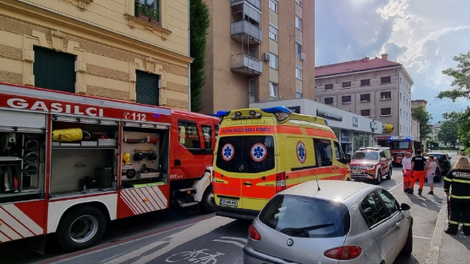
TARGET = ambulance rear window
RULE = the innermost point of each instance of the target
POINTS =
(246, 154)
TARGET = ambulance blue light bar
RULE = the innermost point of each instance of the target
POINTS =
(221, 113)
(281, 112)
(276, 109)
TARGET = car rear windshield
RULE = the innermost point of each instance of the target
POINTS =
(300, 216)
(246, 154)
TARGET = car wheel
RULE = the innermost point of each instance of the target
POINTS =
(379, 177)
(389, 174)
(81, 228)
(408, 248)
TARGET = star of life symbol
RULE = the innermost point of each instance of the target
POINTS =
(301, 152)
(258, 152)
(228, 151)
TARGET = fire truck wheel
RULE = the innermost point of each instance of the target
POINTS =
(208, 203)
(81, 228)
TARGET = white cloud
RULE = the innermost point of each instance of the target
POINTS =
(424, 36)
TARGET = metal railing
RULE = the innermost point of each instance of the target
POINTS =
(255, 3)
(246, 28)
(245, 62)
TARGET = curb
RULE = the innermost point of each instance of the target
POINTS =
(436, 241)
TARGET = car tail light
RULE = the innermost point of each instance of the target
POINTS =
(253, 233)
(280, 182)
(343, 253)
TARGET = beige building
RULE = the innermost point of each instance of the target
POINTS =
(375, 88)
(119, 49)
(258, 51)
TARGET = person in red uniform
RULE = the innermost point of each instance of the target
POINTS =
(459, 179)
(417, 166)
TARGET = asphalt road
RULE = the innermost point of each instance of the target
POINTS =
(175, 236)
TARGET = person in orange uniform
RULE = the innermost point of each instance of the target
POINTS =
(406, 169)
(417, 167)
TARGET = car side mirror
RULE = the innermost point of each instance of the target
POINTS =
(346, 159)
(405, 207)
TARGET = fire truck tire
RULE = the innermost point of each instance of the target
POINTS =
(208, 203)
(81, 228)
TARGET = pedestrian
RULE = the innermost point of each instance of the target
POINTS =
(430, 172)
(459, 180)
(406, 169)
(417, 172)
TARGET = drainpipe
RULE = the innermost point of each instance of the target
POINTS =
(189, 54)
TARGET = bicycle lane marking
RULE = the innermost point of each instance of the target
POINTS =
(193, 257)
(175, 240)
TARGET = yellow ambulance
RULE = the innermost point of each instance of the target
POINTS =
(262, 151)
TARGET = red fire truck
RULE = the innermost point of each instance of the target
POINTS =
(71, 163)
(399, 146)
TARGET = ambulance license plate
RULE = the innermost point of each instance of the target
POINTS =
(356, 171)
(228, 202)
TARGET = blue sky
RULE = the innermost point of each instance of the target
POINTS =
(422, 35)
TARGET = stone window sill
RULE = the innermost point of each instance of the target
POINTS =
(153, 27)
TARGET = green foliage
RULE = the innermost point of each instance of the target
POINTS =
(432, 144)
(199, 23)
(424, 118)
(461, 89)
(461, 82)
(448, 133)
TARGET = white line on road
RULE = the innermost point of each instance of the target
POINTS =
(422, 237)
(230, 242)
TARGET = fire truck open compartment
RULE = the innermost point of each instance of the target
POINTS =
(22, 153)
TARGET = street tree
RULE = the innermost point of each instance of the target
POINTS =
(424, 118)
(199, 23)
(448, 133)
(461, 76)
(460, 89)
(463, 126)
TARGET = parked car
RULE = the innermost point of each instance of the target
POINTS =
(444, 164)
(330, 222)
(371, 163)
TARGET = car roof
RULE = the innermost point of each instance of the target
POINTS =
(334, 190)
(436, 153)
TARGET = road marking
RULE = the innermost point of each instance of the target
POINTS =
(422, 237)
(230, 241)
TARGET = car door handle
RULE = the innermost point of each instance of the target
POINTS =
(397, 224)
(247, 183)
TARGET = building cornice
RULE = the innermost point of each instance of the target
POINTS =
(358, 72)
(34, 11)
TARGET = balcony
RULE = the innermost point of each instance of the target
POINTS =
(255, 3)
(247, 65)
(243, 28)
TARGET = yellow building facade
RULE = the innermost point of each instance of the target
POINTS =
(129, 50)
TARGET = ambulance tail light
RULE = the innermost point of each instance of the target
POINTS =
(280, 182)
(281, 112)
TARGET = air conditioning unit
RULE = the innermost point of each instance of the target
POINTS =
(302, 56)
(267, 56)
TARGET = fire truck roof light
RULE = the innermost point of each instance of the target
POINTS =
(390, 139)
(408, 138)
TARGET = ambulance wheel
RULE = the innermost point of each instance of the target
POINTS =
(208, 202)
(81, 228)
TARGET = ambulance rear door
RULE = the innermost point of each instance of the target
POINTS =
(245, 171)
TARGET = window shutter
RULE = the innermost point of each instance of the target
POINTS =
(147, 89)
(54, 70)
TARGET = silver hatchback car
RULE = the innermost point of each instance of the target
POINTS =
(330, 222)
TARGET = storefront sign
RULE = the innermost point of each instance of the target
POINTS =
(329, 116)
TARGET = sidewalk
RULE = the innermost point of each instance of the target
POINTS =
(447, 249)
